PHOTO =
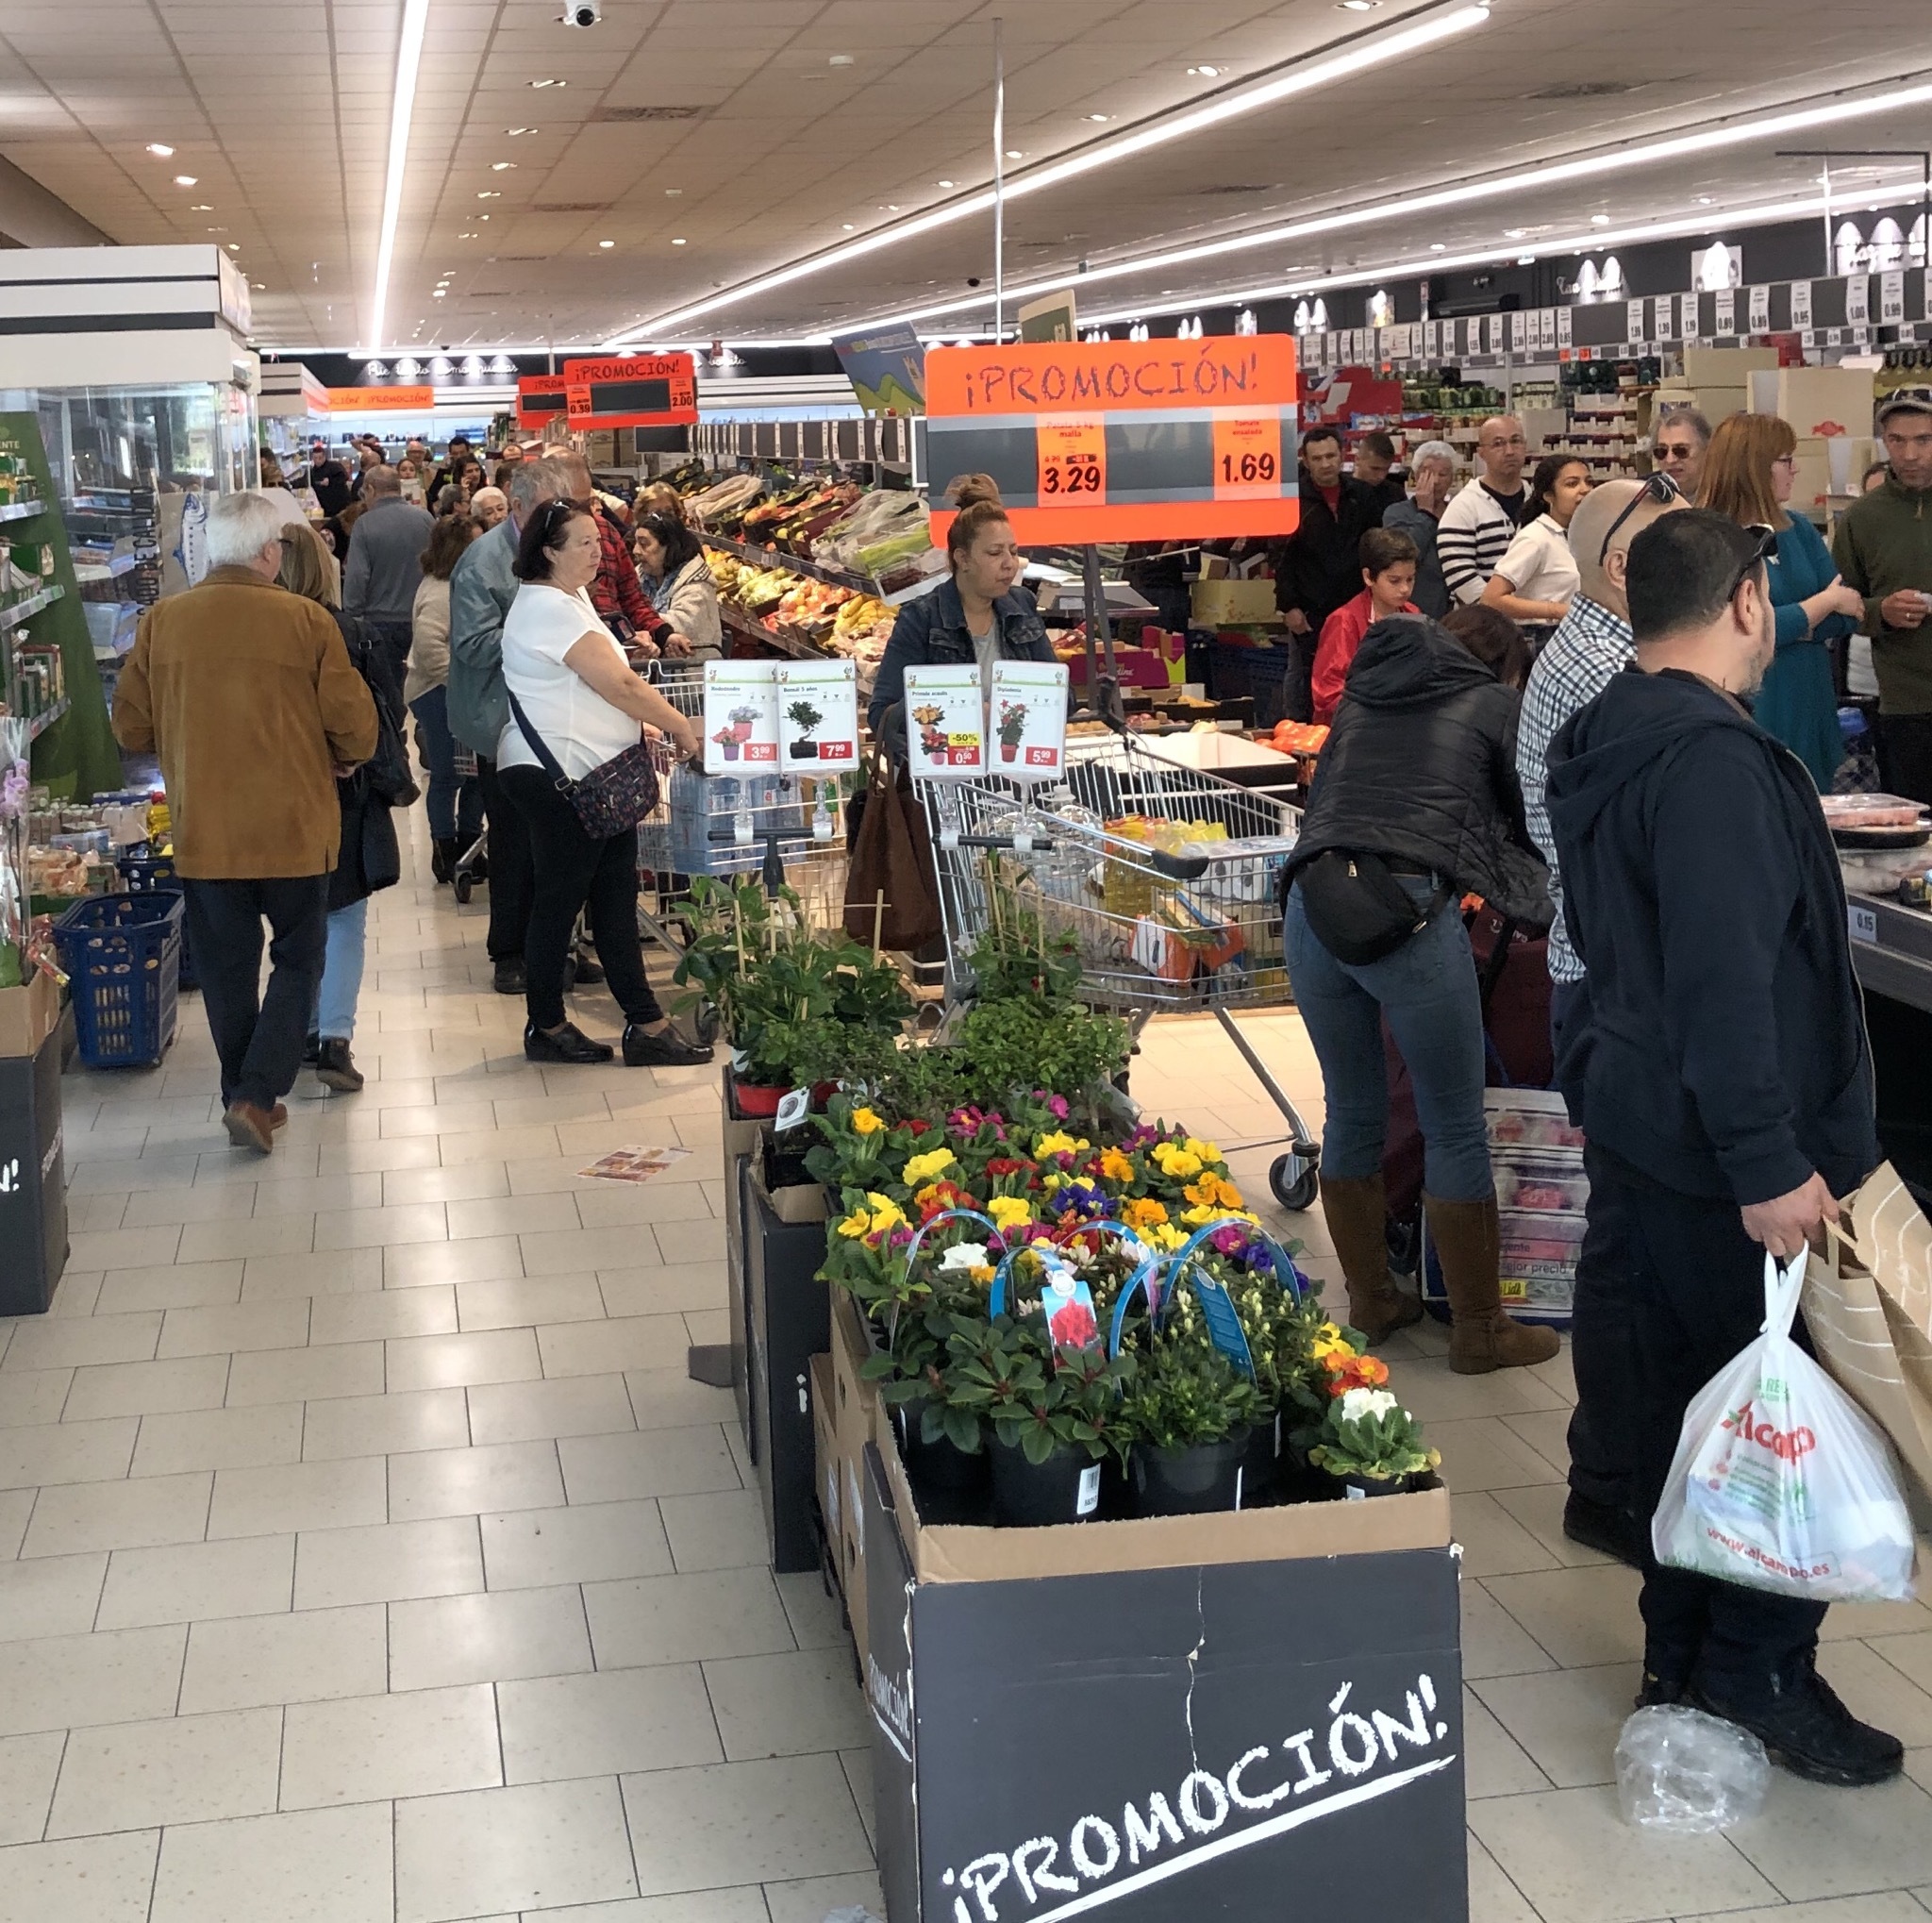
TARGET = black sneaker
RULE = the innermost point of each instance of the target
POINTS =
(665, 1049)
(590, 970)
(510, 977)
(442, 860)
(1610, 1532)
(568, 1045)
(336, 1069)
(1658, 1691)
(1808, 1730)
(312, 1051)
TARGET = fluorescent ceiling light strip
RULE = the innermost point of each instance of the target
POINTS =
(1530, 179)
(1592, 239)
(408, 59)
(1359, 58)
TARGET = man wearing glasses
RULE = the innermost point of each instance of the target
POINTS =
(1678, 447)
(1480, 522)
(1727, 1097)
(1882, 550)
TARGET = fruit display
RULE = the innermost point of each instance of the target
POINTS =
(1297, 737)
(719, 508)
(839, 620)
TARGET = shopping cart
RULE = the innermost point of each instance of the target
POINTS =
(471, 864)
(1167, 877)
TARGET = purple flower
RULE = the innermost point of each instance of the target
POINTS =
(1084, 1201)
(1057, 1105)
(1229, 1240)
(1142, 1139)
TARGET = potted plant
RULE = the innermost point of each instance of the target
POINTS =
(804, 717)
(1012, 728)
(1190, 1413)
(742, 721)
(728, 738)
(1370, 1443)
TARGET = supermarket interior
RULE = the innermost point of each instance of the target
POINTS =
(1058, 1050)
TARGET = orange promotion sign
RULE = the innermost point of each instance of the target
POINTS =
(540, 399)
(365, 400)
(1121, 439)
(632, 391)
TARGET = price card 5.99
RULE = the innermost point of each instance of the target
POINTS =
(945, 722)
(1029, 719)
(1073, 463)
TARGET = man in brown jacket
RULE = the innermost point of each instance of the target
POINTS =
(249, 698)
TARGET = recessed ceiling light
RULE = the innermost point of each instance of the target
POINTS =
(161, 150)
(1014, 154)
(1514, 233)
(489, 193)
(1704, 200)
(946, 183)
(1599, 220)
(260, 285)
(549, 83)
(183, 180)
(1100, 119)
(891, 207)
(218, 230)
(466, 236)
(501, 166)
(607, 243)
(514, 131)
(848, 226)
(1525, 259)
(1357, 5)
(201, 207)
(436, 295)
(679, 241)
(839, 61)
(234, 246)
(1207, 73)
(1438, 247)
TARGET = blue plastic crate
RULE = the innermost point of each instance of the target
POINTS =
(144, 871)
(1259, 672)
(122, 955)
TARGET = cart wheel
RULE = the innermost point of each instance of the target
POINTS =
(461, 886)
(1293, 1183)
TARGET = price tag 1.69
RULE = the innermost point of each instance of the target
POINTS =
(1247, 458)
(1073, 463)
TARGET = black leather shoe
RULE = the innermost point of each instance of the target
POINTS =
(665, 1049)
(312, 1051)
(1655, 1691)
(1610, 1532)
(509, 977)
(442, 860)
(590, 970)
(1808, 1730)
(335, 1068)
(568, 1045)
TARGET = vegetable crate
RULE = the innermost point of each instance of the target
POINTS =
(123, 953)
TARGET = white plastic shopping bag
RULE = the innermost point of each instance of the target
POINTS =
(1780, 1480)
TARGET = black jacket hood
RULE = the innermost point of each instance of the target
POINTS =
(1409, 661)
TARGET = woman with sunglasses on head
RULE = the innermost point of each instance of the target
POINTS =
(1749, 474)
(574, 705)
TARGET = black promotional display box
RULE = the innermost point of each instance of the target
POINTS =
(33, 1182)
(1237, 1717)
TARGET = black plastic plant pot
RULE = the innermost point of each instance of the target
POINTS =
(1262, 1465)
(937, 1465)
(1355, 1487)
(1202, 1479)
(804, 751)
(1065, 1488)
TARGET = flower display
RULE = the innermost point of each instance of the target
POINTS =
(922, 1168)
(865, 1122)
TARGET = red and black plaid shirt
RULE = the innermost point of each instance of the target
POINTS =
(617, 589)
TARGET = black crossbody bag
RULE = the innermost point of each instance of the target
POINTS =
(615, 796)
(1358, 910)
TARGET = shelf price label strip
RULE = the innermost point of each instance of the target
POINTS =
(1126, 441)
(641, 391)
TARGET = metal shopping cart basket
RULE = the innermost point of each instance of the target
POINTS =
(1167, 877)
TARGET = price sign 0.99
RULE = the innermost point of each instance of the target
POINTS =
(1073, 463)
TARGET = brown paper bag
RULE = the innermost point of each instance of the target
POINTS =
(1869, 1308)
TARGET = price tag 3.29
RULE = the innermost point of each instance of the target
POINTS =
(1247, 458)
(1073, 463)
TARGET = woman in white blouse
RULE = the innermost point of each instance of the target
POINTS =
(1536, 575)
(570, 678)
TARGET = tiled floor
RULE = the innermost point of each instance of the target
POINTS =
(365, 1556)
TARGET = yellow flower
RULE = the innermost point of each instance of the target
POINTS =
(1179, 1165)
(981, 1273)
(886, 1213)
(1010, 1211)
(1206, 1150)
(922, 1168)
(1143, 1212)
(1328, 1342)
(856, 1225)
(1165, 1236)
(866, 1123)
(1115, 1166)
(1060, 1143)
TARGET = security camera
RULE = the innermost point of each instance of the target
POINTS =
(582, 12)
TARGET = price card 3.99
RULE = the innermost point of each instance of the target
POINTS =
(945, 722)
(741, 717)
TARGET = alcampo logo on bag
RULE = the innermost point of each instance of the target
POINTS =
(1787, 1444)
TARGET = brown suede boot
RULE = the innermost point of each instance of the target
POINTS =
(1356, 1211)
(1481, 1336)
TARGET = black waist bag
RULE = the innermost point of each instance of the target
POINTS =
(1358, 909)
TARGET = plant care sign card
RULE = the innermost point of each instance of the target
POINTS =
(818, 716)
(741, 717)
(637, 1164)
(945, 722)
(1029, 720)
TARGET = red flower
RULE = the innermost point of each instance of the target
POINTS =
(1074, 1326)
(915, 1126)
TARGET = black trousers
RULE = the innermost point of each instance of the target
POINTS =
(511, 877)
(1674, 1288)
(1904, 755)
(573, 874)
(259, 1034)
(391, 640)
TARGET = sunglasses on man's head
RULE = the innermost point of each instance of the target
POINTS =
(1763, 545)
(1660, 488)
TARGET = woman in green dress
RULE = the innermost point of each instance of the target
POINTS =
(1749, 474)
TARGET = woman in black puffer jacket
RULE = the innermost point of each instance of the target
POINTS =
(1415, 805)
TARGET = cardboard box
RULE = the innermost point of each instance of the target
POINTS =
(1228, 603)
(33, 1201)
(854, 1401)
(824, 1442)
(1119, 1713)
(1720, 367)
(1830, 467)
(1821, 402)
(28, 1016)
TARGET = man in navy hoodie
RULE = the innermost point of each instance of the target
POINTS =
(1728, 1095)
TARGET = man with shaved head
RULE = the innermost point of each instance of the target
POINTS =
(1480, 522)
(1587, 650)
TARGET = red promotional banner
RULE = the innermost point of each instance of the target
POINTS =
(633, 390)
(540, 399)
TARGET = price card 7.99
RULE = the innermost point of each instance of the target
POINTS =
(945, 722)
(818, 716)
(1029, 720)
(741, 717)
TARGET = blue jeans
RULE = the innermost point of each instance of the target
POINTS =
(1426, 990)
(456, 804)
(342, 973)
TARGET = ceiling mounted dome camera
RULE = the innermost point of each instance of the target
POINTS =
(582, 12)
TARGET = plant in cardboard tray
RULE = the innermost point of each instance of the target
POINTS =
(1012, 1045)
(1370, 1441)
(1037, 1401)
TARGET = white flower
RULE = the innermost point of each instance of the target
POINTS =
(1356, 1404)
(965, 1255)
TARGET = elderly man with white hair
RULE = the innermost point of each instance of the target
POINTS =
(1431, 471)
(248, 696)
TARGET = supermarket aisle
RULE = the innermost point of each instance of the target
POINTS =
(364, 1554)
